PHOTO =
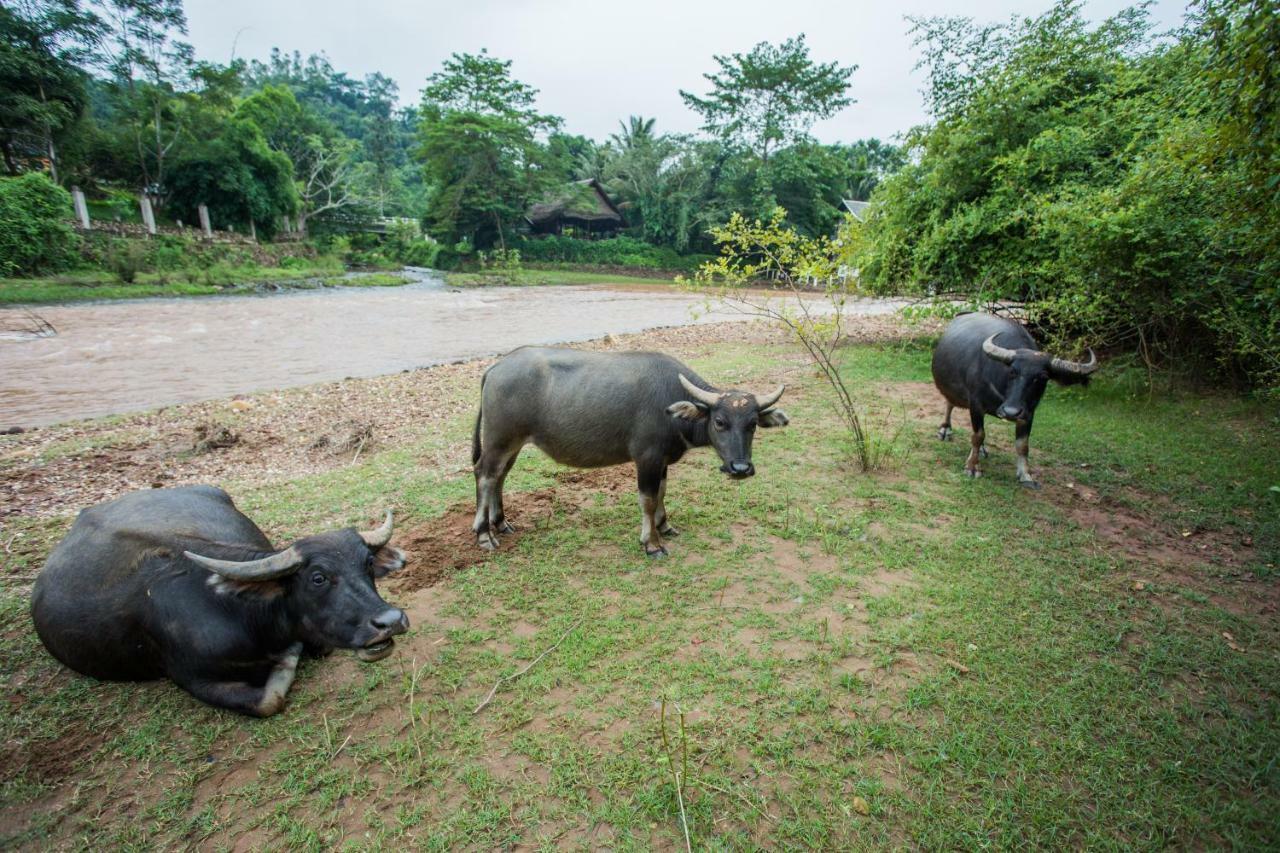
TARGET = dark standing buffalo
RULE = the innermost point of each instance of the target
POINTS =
(591, 409)
(990, 365)
(179, 583)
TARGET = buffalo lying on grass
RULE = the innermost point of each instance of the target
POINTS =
(592, 409)
(991, 365)
(178, 583)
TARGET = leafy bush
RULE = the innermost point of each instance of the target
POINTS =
(1121, 185)
(126, 259)
(615, 251)
(35, 236)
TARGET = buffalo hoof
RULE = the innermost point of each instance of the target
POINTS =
(668, 530)
(506, 528)
(982, 452)
(487, 541)
(972, 473)
(655, 554)
(1029, 484)
(945, 433)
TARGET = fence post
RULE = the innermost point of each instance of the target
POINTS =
(82, 209)
(148, 215)
(204, 221)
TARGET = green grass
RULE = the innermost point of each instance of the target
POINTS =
(541, 277)
(97, 285)
(959, 659)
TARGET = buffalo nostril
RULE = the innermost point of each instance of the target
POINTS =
(742, 469)
(391, 618)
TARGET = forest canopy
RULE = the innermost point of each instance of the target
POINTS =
(1124, 184)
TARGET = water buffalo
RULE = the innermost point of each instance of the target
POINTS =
(990, 365)
(178, 583)
(591, 409)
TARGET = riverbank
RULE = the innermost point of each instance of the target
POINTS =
(910, 658)
(549, 277)
(99, 285)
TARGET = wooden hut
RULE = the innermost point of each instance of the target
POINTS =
(581, 208)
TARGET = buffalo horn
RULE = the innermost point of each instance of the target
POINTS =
(766, 401)
(379, 537)
(706, 398)
(1075, 368)
(999, 353)
(265, 569)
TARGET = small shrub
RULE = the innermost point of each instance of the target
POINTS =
(35, 237)
(126, 259)
(502, 264)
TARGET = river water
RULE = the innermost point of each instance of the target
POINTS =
(114, 357)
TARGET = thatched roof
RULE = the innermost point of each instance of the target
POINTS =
(585, 201)
(857, 208)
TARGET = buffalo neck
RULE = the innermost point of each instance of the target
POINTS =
(694, 433)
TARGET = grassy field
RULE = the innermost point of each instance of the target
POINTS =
(537, 277)
(85, 286)
(911, 658)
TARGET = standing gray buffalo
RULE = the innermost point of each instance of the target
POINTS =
(990, 365)
(592, 409)
(178, 583)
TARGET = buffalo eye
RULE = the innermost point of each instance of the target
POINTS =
(318, 579)
(751, 427)
(721, 423)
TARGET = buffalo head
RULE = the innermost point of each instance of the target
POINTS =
(326, 584)
(1031, 372)
(731, 420)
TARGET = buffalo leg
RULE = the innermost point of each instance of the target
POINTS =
(263, 701)
(649, 484)
(1022, 445)
(976, 441)
(664, 523)
(944, 431)
(497, 516)
(491, 472)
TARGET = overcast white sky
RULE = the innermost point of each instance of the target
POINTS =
(596, 62)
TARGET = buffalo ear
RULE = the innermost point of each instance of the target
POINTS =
(774, 418)
(387, 560)
(687, 410)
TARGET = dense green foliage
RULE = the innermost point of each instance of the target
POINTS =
(1124, 184)
(107, 95)
(615, 252)
(34, 235)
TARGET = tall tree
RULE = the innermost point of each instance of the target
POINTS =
(771, 96)
(42, 89)
(480, 148)
(150, 66)
(323, 159)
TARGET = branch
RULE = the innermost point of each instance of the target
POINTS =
(526, 667)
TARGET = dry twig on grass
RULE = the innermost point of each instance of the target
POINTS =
(526, 667)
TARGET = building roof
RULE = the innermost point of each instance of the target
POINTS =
(583, 200)
(857, 208)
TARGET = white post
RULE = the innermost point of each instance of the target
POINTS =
(204, 221)
(288, 226)
(253, 231)
(148, 215)
(82, 209)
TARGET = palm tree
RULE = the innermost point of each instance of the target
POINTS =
(637, 131)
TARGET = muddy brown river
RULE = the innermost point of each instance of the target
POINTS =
(114, 357)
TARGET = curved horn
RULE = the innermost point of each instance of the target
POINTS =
(999, 353)
(1075, 368)
(707, 398)
(265, 569)
(379, 537)
(766, 401)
